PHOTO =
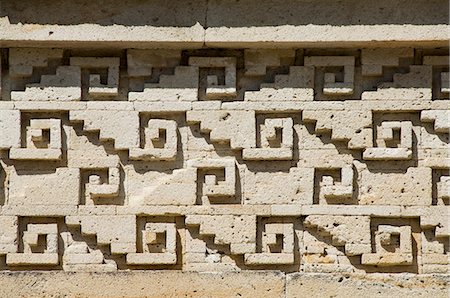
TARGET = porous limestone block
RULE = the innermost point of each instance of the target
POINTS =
(96, 87)
(331, 189)
(443, 188)
(79, 252)
(30, 241)
(160, 141)
(298, 85)
(440, 119)
(352, 126)
(236, 127)
(121, 239)
(373, 60)
(23, 60)
(181, 86)
(59, 188)
(38, 146)
(352, 232)
(324, 158)
(65, 85)
(433, 251)
(276, 244)
(120, 126)
(387, 250)
(9, 227)
(237, 231)
(178, 188)
(83, 154)
(154, 249)
(142, 62)
(330, 85)
(395, 188)
(382, 285)
(212, 185)
(213, 89)
(276, 137)
(436, 217)
(134, 283)
(385, 135)
(430, 139)
(96, 188)
(440, 61)
(9, 129)
(1, 68)
(257, 61)
(433, 157)
(414, 85)
(266, 186)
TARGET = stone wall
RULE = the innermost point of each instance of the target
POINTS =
(224, 148)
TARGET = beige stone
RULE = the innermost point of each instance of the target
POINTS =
(351, 232)
(222, 124)
(59, 188)
(93, 120)
(221, 149)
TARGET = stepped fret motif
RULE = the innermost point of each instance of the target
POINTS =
(300, 160)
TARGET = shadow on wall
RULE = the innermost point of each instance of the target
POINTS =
(228, 13)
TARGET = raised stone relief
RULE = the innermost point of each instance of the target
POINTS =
(301, 160)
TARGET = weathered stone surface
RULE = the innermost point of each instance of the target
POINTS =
(287, 149)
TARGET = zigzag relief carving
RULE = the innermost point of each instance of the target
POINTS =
(309, 160)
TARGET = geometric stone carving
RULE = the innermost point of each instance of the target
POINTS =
(42, 141)
(157, 242)
(222, 126)
(141, 62)
(277, 244)
(214, 89)
(81, 256)
(338, 189)
(120, 240)
(373, 60)
(298, 85)
(440, 118)
(415, 85)
(215, 184)
(65, 85)
(40, 246)
(352, 126)
(440, 61)
(331, 86)
(181, 86)
(276, 141)
(392, 247)
(257, 61)
(352, 232)
(239, 232)
(97, 87)
(120, 126)
(100, 188)
(160, 141)
(393, 140)
(22, 61)
(443, 188)
(224, 159)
